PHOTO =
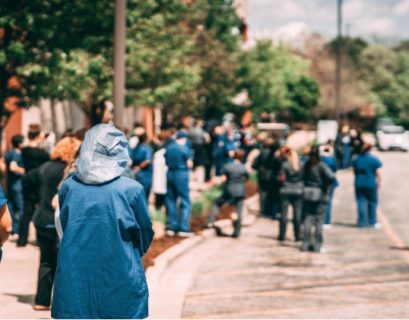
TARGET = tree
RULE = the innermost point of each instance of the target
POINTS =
(278, 81)
(55, 49)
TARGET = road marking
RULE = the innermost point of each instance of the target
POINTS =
(391, 233)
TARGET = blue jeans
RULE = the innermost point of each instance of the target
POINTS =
(16, 204)
(178, 189)
(346, 156)
(367, 201)
(328, 212)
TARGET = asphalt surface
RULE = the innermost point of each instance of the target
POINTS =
(364, 274)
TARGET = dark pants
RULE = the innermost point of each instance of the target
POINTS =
(296, 202)
(314, 219)
(226, 198)
(367, 201)
(159, 201)
(328, 211)
(16, 205)
(269, 202)
(29, 207)
(47, 240)
(178, 189)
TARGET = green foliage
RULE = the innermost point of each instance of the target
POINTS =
(278, 81)
(386, 73)
(203, 203)
(351, 48)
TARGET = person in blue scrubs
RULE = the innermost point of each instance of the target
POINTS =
(367, 180)
(223, 149)
(5, 221)
(328, 158)
(15, 172)
(344, 145)
(106, 231)
(178, 158)
(142, 157)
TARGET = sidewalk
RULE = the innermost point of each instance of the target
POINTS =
(360, 276)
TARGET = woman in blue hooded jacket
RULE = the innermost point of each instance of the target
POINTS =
(106, 230)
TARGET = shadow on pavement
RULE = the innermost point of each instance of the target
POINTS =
(23, 298)
(399, 248)
(345, 224)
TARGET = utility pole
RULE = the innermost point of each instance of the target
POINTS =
(338, 76)
(119, 62)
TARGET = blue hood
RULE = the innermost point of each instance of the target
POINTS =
(104, 155)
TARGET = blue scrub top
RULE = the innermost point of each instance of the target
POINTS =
(106, 232)
(177, 155)
(142, 153)
(365, 166)
(3, 199)
(331, 162)
(222, 146)
(11, 156)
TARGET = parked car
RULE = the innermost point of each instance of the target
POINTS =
(382, 122)
(326, 130)
(392, 137)
(278, 131)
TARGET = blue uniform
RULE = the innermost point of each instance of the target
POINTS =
(221, 148)
(176, 157)
(331, 162)
(106, 230)
(3, 201)
(15, 188)
(142, 153)
(366, 190)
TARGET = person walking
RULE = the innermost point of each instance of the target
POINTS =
(344, 148)
(15, 172)
(47, 178)
(291, 193)
(179, 162)
(142, 157)
(317, 181)
(235, 175)
(106, 230)
(327, 157)
(33, 156)
(367, 172)
(5, 221)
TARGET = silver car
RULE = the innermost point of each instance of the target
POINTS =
(393, 137)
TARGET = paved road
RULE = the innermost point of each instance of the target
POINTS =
(362, 275)
(394, 192)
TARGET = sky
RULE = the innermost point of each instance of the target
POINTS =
(385, 18)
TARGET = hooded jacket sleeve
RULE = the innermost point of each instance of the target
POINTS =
(144, 234)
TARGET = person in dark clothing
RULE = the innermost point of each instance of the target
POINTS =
(328, 158)
(199, 138)
(47, 178)
(235, 175)
(15, 172)
(367, 180)
(265, 165)
(344, 148)
(291, 193)
(223, 149)
(33, 157)
(317, 181)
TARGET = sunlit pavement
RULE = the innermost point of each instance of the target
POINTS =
(364, 274)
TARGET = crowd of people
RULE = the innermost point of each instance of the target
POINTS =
(52, 185)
